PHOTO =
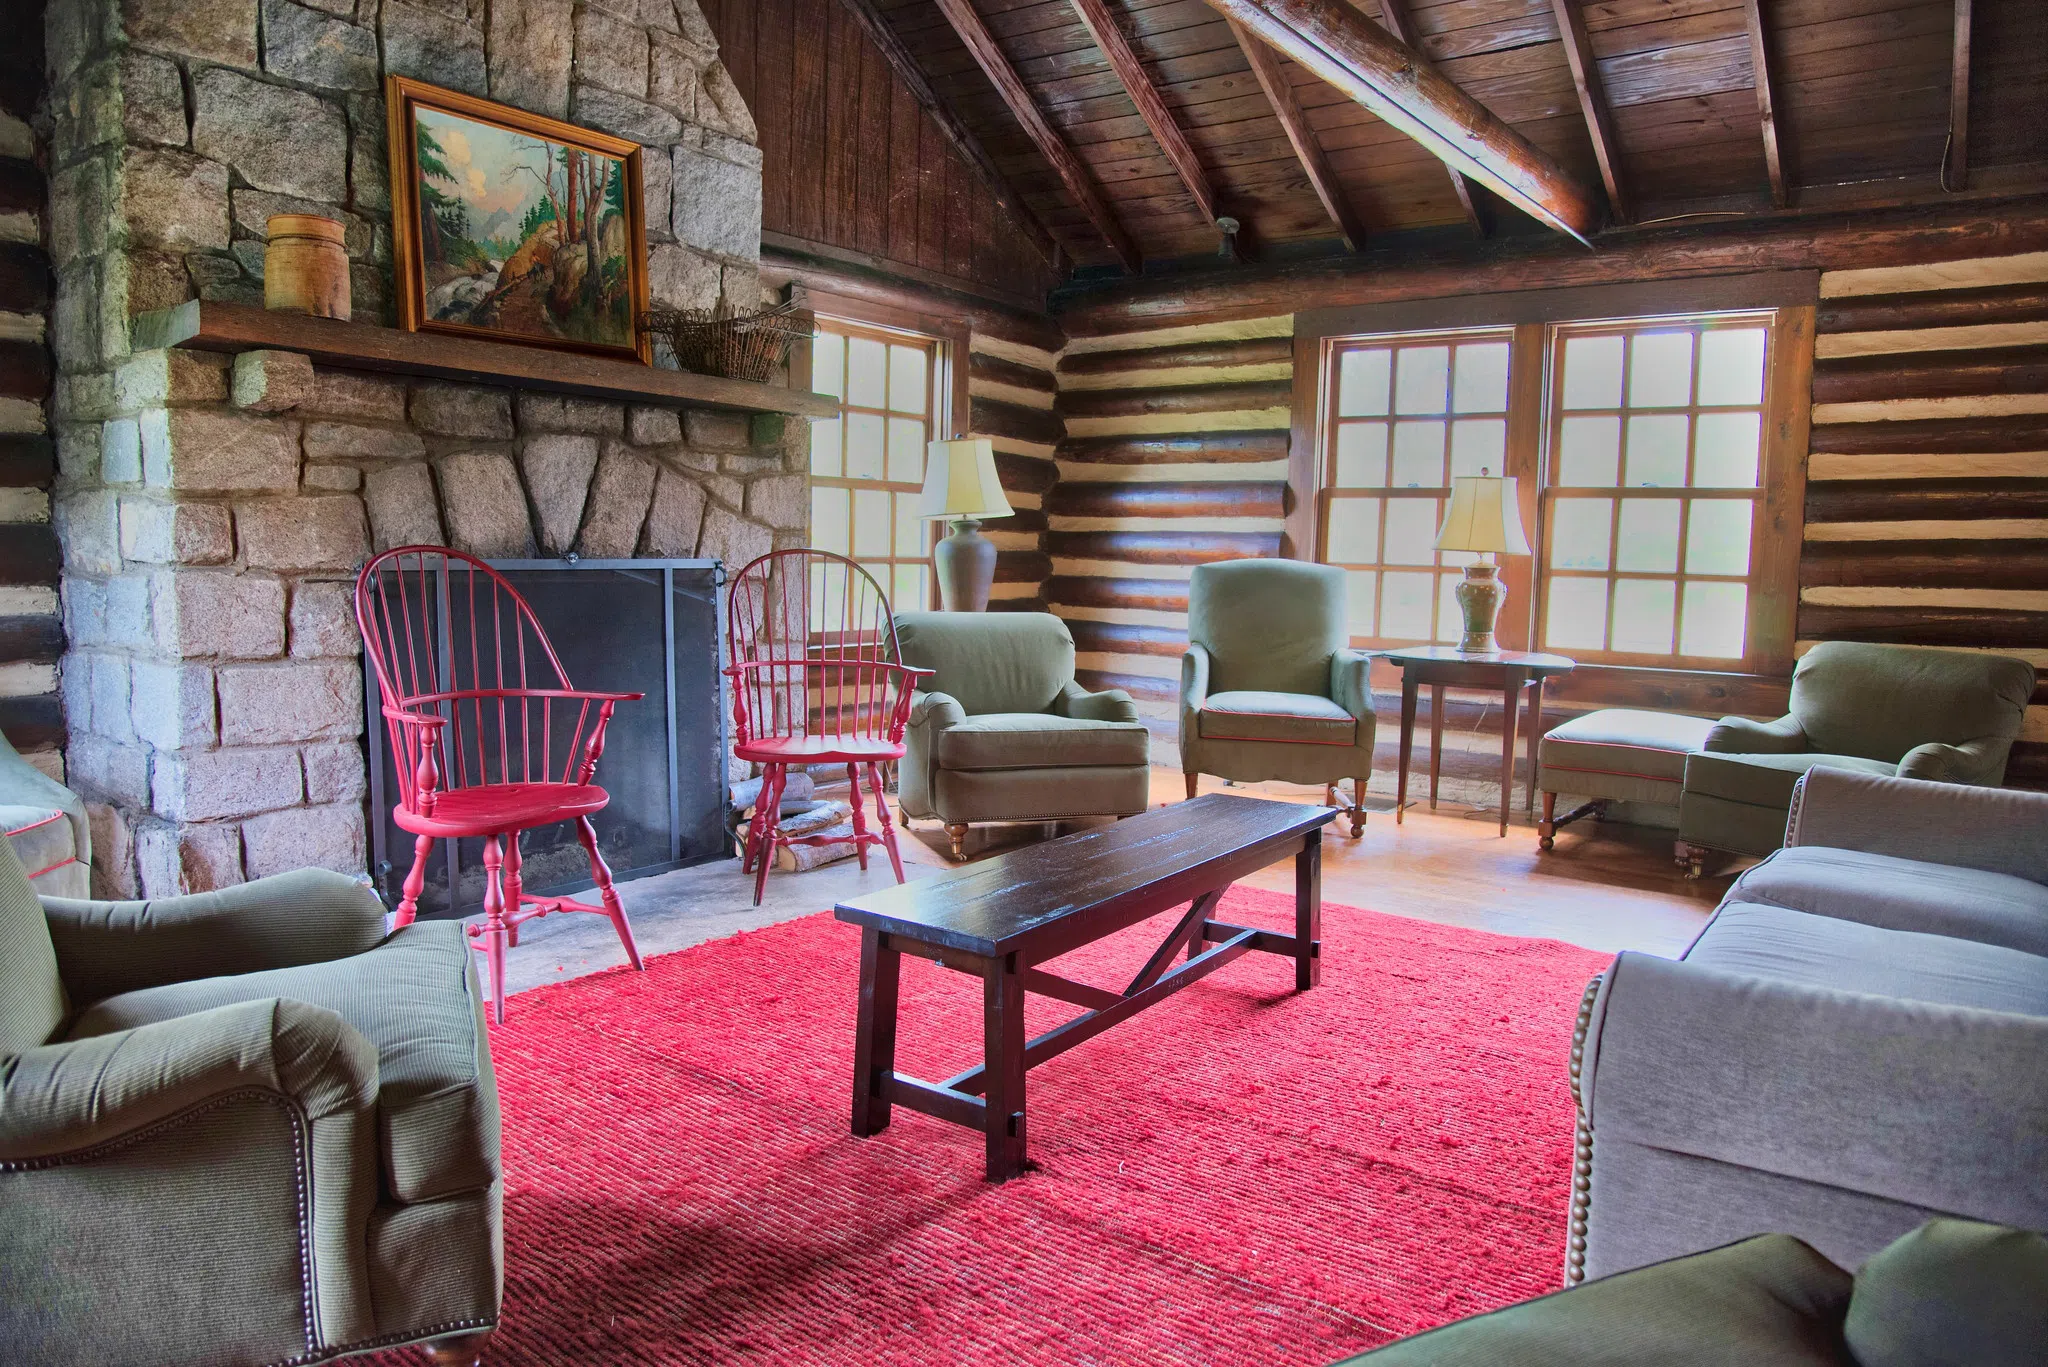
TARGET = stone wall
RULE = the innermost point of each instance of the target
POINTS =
(212, 512)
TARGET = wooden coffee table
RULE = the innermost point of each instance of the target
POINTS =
(1001, 918)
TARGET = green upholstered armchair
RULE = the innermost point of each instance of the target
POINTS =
(1003, 733)
(1269, 688)
(1949, 716)
(241, 1127)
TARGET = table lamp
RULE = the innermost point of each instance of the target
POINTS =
(1484, 516)
(960, 486)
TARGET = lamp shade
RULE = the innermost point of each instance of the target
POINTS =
(960, 481)
(1484, 515)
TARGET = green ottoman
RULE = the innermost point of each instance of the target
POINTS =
(1617, 754)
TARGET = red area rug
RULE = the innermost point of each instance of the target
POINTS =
(1240, 1175)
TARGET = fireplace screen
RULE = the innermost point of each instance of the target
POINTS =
(619, 626)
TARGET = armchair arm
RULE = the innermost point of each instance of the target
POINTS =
(1974, 761)
(933, 712)
(1351, 682)
(1111, 704)
(307, 916)
(1741, 736)
(1194, 682)
(1999, 830)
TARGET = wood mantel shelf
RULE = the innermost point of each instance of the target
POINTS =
(212, 326)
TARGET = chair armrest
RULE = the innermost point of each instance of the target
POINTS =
(1111, 704)
(933, 712)
(1974, 761)
(62, 1098)
(1999, 830)
(308, 916)
(1194, 682)
(1351, 682)
(1741, 736)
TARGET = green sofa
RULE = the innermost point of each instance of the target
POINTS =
(1002, 732)
(1269, 687)
(1898, 711)
(242, 1127)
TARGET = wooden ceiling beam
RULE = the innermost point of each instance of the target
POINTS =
(1578, 52)
(1137, 83)
(981, 44)
(1955, 173)
(1395, 12)
(964, 142)
(1766, 106)
(1395, 82)
(1272, 79)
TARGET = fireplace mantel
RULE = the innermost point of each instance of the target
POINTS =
(213, 326)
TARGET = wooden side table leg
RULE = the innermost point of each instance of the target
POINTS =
(1436, 740)
(1535, 735)
(1308, 911)
(1511, 706)
(1408, 691)
(874, 1037)
(1003, 1044)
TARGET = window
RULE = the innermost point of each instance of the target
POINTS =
(867, 465)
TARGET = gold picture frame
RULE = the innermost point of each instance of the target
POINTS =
(529, 259)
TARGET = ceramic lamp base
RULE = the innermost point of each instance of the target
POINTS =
(966, 565)
(1480, 595)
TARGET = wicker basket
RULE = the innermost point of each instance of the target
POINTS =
(739, 346)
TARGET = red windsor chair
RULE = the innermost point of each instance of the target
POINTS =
(815, 680)
(488, 736)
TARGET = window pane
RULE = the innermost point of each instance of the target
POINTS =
(1362, 378)
(1590, 454)
(908, 594)
(829, 512)
(1577, 619)
(866, 359)
(1716, 619)
(1450, 618)
(1362, 455)
(1354, 531)
(1592, 372)
(1644, 610)
(825, 448)
(1656, 451)
(1422, 379)
(906, 450)
(828, 364)
(1579, 531)
(1718, 539)
(1732, 366)
(1479, 446)
(871, 519)
(1482, 378)
(1660, 373)
(1411, 533)
(906, 379)
(1361, 586)
(1418, 455)
(909, 528)
(1646, 540)
(1725, 450)
(1405, 598)
(864, 436)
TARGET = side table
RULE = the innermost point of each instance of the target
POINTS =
(1508, 673)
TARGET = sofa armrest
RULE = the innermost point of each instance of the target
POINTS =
(1741, 736)
(1111, 704)
(1999, 830)
(1974, 761)
(307, 916)
(1351, 682)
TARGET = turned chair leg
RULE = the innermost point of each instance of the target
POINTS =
(888, 831)
(1194, 780)
(494, 934)
(1357, 808)
(415, 883)
(860, 820)
(464, 1350)
(1546, 829)
(956, 831)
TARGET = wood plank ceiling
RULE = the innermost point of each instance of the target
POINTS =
(1857, 93)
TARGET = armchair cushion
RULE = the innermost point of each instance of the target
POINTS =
(1763, 780)
(1880, 701)
(414, 998)
(1039, 740)
(1901, 894)
(1952, 1291)
(990, 661)
(1303, 718)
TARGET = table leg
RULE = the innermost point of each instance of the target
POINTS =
(1003, 1046)
(1535, 735)
(874, 1036)
(1308, 911)
(1436, 740)
(1408, 690)
(1511, 705)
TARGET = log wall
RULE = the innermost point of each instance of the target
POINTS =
(1012, 392)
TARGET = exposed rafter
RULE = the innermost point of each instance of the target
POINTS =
(1955, 172)
(1395, 12)
(912, 75)
(982, 45)
(1272, 79)
(1578, 51)
(1760, 64)
(1109, 36)
(1397, 83)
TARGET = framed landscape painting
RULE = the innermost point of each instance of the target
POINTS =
(514, 227)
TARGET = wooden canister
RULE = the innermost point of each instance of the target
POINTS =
(305, 266)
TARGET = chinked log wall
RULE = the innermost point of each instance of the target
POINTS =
(1927, 489)
(1012, 395)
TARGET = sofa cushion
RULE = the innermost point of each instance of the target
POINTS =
(1039, 740)
(1847, 956)
(1301, 718)
(1901, 894)
(414, 997)
(1765, 780)
(1621, 740)
(47, 846)
(1952, 1291)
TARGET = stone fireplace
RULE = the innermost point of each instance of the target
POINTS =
(213, 509)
